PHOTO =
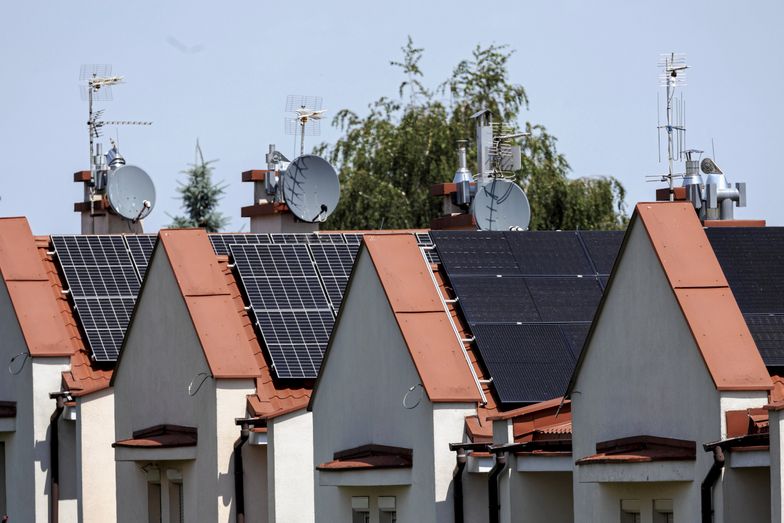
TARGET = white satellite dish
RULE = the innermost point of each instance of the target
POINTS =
(131, 192)
(311, 188)
(501, 205)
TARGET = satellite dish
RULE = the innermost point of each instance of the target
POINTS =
(311, 188)
(500, 205)
(131, 192)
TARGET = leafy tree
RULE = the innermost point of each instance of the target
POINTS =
(389, 158)
(200, 197)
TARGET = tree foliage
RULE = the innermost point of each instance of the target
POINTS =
(200, 197)
(389, 158)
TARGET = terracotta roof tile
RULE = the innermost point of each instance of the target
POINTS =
(31, 291)
(704, 296)
(161, 436)
(435, 350)
(369, 457)
(213, 312)
(641, 449)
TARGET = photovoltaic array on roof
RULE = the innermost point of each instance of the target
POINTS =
(751, 259)
(289, 305)
(529, 299)
(221, 241)
(334, 262)
(103, 283)
(141, 246)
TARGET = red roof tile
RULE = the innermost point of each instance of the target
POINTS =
(435, 350)
(161, 436)
(369, 457)
(641, 449)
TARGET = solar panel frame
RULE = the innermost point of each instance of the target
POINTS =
(334, 263)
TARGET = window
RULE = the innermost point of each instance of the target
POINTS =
(175, 503)
(630, 511)
(154, 502)
(360, 509)
(387, 509)
(662, 511)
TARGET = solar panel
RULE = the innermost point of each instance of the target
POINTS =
(494, 299)
(550, 253)
(424, 240)
(334, 263)
(475, 252)
(327, 237)
(103, 284)
(141, 246)
(768, 333)
(565, 299)
(353, 238)
(289, 304)
(751, 258)
(602, 247)
(221, 241)
(576, 333)
(529, 363)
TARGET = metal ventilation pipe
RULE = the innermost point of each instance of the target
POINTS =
(720, 195)
(463, 177)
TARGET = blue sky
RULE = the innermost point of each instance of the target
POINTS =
(589, 69)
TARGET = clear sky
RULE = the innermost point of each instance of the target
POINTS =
(220, 72)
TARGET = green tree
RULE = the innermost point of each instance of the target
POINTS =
(389, 158)
(200, 197)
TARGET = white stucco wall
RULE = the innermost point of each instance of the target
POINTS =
(161, 357)
(642, 375)
(95, 456)
(359, 400)
(231, 403)
(291, 473)
(448, 427)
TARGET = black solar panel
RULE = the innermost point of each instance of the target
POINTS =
(528, 363)
(768, 333)
(475, 252)
(548, 253)
(752, 259)
(334, 263)
(565, 299)
(353, 238)
(141, 246)
(492, 299)
(221, 241)
(103, 284)
(289, 305)
(602, 247)
(575, 334)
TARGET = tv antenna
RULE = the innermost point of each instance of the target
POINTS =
(673, 75)
(129, 189)
(307, 121)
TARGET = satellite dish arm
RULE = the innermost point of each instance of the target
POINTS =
(145, 205)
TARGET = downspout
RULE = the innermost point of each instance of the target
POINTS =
(706, 489)
(457, 479)
(492, 497)
(54, 457)
(239, 479)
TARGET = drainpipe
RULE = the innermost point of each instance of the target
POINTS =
(706, 489)
(492, 497)
(54, 457)
(239, 479)
(457, 479)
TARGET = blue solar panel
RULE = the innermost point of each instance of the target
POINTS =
(103, 283)
(289, 304)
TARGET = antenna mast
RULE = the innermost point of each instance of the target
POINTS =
(307, 120)
(673, 75)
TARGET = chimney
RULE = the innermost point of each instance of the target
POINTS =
(266, 214)
(97, 217)
(456, 196)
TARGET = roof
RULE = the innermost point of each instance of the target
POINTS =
(210, 304)
(161, 436)
(641, 449)
(423, 321)
(368, 457)
(699, 285)
(32, 291)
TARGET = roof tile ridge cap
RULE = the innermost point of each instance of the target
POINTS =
(224, 286)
